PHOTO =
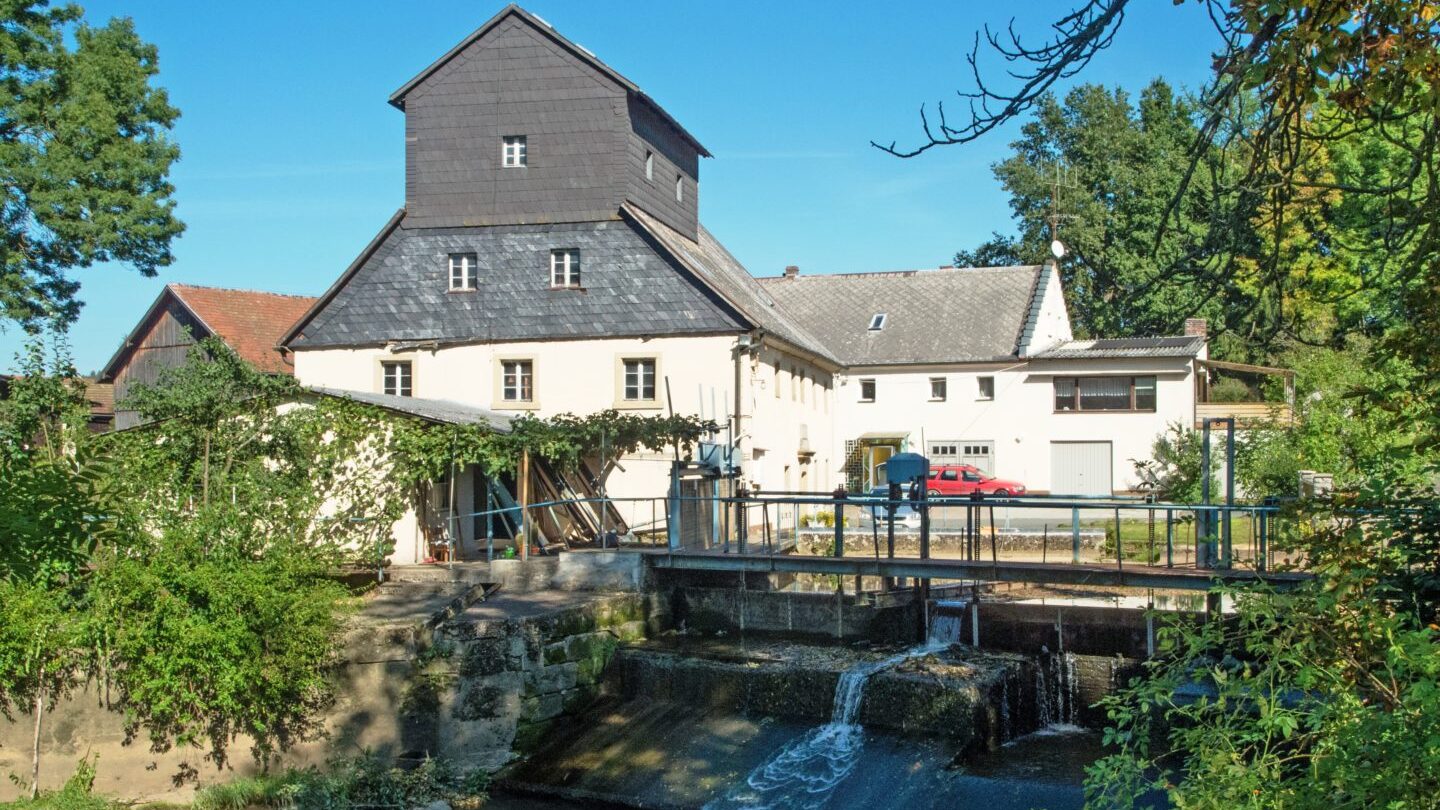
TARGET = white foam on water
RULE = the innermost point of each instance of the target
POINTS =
(806, 770)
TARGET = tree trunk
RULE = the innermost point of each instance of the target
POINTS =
(35, 749)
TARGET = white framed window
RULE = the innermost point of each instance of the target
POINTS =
(517, 380)
(464, 272)
(395, 378)
(565, 269)
(984, 387)
(877, 322)
(679, 188)
(937, 389)
(867, 390)
(639, 379)
(649, 165)
(513, 152)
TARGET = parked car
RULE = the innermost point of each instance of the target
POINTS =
(906, 515)
(963, 479)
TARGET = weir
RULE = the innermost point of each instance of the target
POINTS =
(808, 769)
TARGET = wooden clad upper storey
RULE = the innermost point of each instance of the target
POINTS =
(518, 125)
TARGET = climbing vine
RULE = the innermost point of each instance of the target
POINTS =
(424, 451)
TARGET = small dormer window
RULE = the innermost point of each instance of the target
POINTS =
(679, 188)
(513, 151)
(877, 322)
(649, 165)
(464, 272)
(565, 269)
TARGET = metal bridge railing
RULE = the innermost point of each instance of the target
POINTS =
(1116, 530)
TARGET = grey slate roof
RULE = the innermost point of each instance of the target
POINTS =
(932, 316)
(399, 291)
(432, 410)
(1105, 348)
(723, 273)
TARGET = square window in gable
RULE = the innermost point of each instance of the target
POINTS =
(513, 152)
(464, 272)
(649, 165)
(565, 269)
(679, 188)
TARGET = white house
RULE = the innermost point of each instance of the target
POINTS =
(549, 258)
(978, 366)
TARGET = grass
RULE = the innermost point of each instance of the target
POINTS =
(1135, 538)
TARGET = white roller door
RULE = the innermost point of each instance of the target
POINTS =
(1080, 468)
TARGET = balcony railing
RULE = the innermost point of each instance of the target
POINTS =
(1245, 414)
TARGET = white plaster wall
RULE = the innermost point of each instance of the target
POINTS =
(1051, 319)
(580, 377)
(1021, 419)
(781, 410)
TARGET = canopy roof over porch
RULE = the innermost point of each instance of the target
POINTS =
(439, 411)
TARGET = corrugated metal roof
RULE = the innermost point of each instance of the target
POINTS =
(1174, 346)
(442, 411)
(946, 315)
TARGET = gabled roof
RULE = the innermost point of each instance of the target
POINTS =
(946, 315)
(715, 267)
(249, 321)
(582, 53)
(1113, 348)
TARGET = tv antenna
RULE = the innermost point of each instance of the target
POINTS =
(1063, 178)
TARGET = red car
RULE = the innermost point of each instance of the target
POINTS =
(963, 479)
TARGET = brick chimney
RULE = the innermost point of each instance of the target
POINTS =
(791, 271)
(1196, 327)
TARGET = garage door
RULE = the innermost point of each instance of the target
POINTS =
(978, 454)
(1080, 468)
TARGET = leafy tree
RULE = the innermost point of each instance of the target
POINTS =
(1115, 165)
(1310, 98)
(1319, 698)
(1173, 472)
(1336, 429)
(55, 508)
(84, 156)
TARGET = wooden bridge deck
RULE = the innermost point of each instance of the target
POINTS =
(1129, 575)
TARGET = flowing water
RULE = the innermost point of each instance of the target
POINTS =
(807, 770)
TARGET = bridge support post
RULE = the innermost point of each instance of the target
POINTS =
(1074, 534)
(839, 521)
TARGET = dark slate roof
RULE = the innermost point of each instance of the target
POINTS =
(1179, 346)
(398, 289)
(442, 411)
(709, 261)
(932, 316)
(585, 55)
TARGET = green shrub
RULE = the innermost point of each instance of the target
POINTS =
(362, 782)
(76, 794)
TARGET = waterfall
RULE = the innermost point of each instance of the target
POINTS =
(1057, 700)
(806, 770)
(946, 622)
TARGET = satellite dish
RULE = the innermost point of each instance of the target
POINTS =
(1057, 249)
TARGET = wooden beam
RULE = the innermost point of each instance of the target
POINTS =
(523, 485)
(1247, 368)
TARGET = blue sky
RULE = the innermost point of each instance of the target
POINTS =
(292, 159)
